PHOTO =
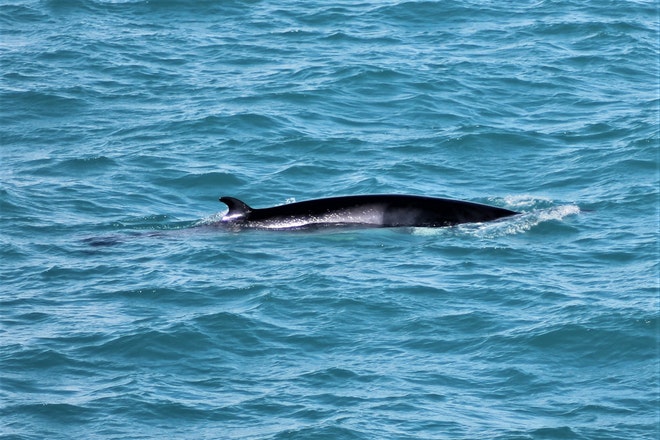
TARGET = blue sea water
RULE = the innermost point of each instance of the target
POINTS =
(125, 314)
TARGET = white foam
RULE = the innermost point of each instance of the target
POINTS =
(523, 201)
(520, 223)
(210, 220)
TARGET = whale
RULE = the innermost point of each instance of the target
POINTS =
(360, 211)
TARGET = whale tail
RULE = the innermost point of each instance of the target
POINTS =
(237, 208)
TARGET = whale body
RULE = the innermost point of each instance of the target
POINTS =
(375, 211)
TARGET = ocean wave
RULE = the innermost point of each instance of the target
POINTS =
(127, 313)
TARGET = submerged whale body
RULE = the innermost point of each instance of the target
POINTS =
(375, 211)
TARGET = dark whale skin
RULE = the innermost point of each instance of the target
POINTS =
(382, 210)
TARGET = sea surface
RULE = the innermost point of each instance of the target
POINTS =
(126, 313)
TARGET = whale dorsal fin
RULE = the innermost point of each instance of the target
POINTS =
(237, 208)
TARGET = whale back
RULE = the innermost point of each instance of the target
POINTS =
(380, 210)
(437, 212)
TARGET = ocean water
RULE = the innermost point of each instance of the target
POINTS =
(126, 314)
